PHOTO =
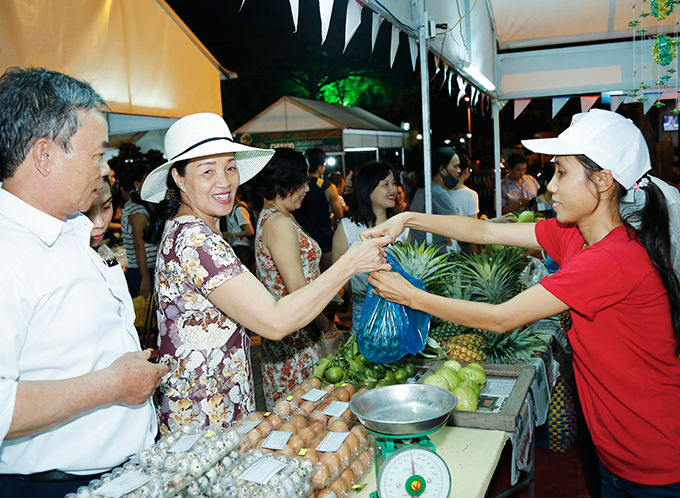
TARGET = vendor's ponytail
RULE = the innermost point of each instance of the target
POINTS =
(167, 208)
(653, 230)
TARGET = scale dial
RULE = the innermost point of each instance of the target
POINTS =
(414, 471)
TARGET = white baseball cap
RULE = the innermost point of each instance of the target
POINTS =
(610, 140)
(199, 135)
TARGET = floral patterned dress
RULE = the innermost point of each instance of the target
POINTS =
(288, 362)
(210, 382)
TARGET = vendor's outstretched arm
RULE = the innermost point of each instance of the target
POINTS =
(531, 305)
(41, 405)
(248, 302)
(460, 228)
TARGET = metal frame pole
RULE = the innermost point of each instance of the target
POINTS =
(425, 99)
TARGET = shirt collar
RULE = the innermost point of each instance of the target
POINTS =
(44, 226)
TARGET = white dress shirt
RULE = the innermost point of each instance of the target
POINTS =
(64, 313)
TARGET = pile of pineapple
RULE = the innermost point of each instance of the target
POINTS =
(485, 277)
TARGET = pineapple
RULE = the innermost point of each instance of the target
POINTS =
(519, 345)
(422, 262)
(466, 347)
(492, 278)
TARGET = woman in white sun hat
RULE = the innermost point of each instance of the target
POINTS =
(205, 295)
(618, 283)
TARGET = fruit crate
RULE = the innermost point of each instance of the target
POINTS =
(506, 418)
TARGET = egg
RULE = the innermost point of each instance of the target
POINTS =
(347, 475)
(343, 455)
(306, 435)
(321, 476)
(298, 421)
(339, 425)
(326, 493)
(315, 382)
(282, 408)
(365, 457)
(342, 394)
(254, 435)
(339, 487)
(360, 432)
(288, 427)
(358, 469)
(296, 443)
(276, 421)
(307, 407)
(350, 388)
(318, 416)
(255, 416)
(311, 455)
(297, 392)
(331, 461)
(265, 427)
(352, 443)
(316, 427)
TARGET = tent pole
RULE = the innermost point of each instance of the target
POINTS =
(425, 94)
(495, 109)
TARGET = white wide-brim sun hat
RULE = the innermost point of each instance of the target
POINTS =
(605, 137)
(199, 135)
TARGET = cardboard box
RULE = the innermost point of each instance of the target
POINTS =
(506, 418)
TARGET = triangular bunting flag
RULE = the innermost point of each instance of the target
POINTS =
(352, 20)
(325, 11)
(475, 99)
(520, 105)
(242, 4)
(616, 100)
(651, 99)
(450, 78)
(413, 46)
(557, 104)
(473, 95)
(501, 104)
(436, 64)
(588, 101)
(295, 11)
(376, 21)
(461, 88)
(394, 44)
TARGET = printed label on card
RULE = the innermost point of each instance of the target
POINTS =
(332, 441)
(261, 471)
(123, 485)
(276, 440)
(313, 395)
(336, 408)
(185, 443)
(247, 427)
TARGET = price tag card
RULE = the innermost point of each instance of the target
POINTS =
(261, 471)
(247, 427)
(184, 443)
(336, 408)
(313, 395)
(332, 441)
(123, 485)
(276, 440)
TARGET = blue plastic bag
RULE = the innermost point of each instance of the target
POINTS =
(389, 331)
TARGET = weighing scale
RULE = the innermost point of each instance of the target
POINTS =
(401, 417)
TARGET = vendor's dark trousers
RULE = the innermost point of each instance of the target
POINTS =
(614, 486)
(13, 487)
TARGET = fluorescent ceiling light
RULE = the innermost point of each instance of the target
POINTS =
(361, 149)
(479, 78)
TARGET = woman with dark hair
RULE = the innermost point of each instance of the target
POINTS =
(141, 256)
(616, 277)
(444, 169)
(287, 259)
(372, 204)
(206, 296)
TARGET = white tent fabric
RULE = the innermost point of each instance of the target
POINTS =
(137, 53)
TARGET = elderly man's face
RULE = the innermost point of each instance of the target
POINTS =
(79, 173)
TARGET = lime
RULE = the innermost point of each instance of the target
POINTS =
(356, 366)
(389, 376)
(400, 375)
(363, 359)
(379, 370)
(411, 369)
(369, 372)
(334, 374)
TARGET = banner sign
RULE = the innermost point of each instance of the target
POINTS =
(302, 140)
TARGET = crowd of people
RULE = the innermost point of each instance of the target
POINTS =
(77, 389)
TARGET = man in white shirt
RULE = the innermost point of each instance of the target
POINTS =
(517, 188)
(74, 385)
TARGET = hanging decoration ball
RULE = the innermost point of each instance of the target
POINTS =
(662, 8)
(664, 50)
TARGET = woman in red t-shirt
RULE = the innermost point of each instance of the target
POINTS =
(616, 277)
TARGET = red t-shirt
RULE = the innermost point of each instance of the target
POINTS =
(627, 372)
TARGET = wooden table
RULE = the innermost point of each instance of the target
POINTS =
(471, 455)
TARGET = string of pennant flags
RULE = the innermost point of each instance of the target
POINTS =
(647, 96)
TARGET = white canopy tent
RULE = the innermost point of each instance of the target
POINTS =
(529, 48)
(138, 54)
